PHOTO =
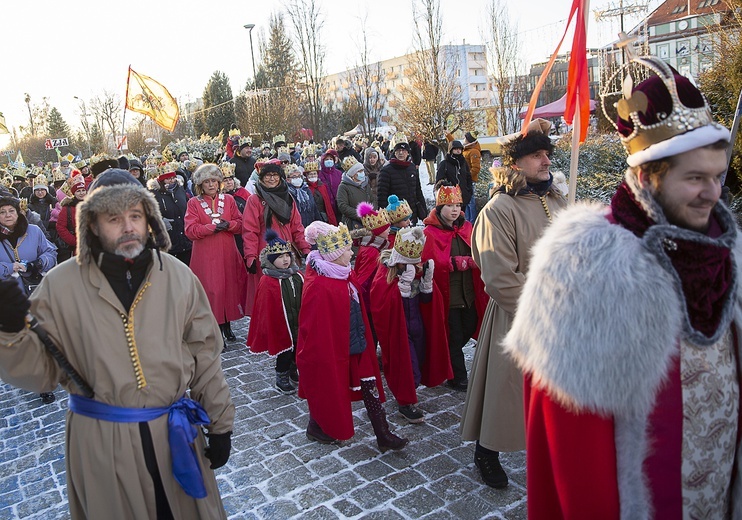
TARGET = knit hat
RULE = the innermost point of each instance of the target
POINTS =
(455, 144)
(284, 157)
(102, 162)
(206, 171)
(398, 210)
(166, 171)
(448, 195)
(123, 162)
(114, 192)
(275, 246)
(353, 170)
(331, 241)
(408, 246)
(76, 184)
(271, 167)
(662, 116)
(375, 221)
(471, 136)
(135, 164)
(11, 201)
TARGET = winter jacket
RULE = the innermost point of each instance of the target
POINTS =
(430, 152)
(350, 194)
(173, 206)
(43, 207)
(455, 170)
(473, 155)
(243, 168)
(415, 153)
(67, 234)
(401, 178)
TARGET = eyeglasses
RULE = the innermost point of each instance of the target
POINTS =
(271, 175)
(284, 162)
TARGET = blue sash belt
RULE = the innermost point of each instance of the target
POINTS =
(183, 415)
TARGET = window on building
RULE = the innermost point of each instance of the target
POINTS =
(679, 9)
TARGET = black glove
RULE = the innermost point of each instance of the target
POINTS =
(253, 267)
(221, 226)
(220, 444)
(13, 306)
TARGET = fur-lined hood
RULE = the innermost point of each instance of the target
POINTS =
(117, 199)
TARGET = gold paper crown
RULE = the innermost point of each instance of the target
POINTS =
(375, 220)
(227, 169)
(410, 242)
(81, 164)
(234, 131)
(278, 247)
(348, 162)
(448, 195)
(153, 160)
(265, 144)
(7, 181)
(100, 157)
(169, 167)
(290, 168)
(152, 172)
(399, 137)
(398, 211)
(167, 154)
(247, 140)
(682, 119)
(282, 149)
(308, 150)
(41, 180)
(311, 166)
(280, 138)
(181, 149)
(332, 242)
(23, 203)
(192, 164)
(58, 175)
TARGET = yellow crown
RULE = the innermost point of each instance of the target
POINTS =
(100, 157)
(181, 149)
(410, 242)
(227, 169)
(375, 220)
(58, 175)
(289, 169)
(81, 164)
(278, 247)
(280, 138)
(40, 180)
(308, 150)
(399, 137)
(332, 242)
(233, 132)
(448, 195)
(245, 141)
(398, 210)
(311, 166)
(348, 162)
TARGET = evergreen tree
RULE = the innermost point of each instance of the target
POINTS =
(217, 94)
(279, 63)
(56, 125)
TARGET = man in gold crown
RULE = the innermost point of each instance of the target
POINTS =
(243, 160)
(627, 328)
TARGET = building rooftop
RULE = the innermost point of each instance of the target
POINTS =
(677, 9)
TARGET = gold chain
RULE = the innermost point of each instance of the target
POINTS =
(546, 208)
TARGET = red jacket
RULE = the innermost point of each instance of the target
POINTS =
(269, 328)
(62, 230)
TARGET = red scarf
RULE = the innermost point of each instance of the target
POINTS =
(705, 270)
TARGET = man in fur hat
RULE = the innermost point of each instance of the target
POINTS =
(141, 333)
(628, 328)
(522, 206)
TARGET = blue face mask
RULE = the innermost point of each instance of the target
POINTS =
(361, 177)
(329, 163)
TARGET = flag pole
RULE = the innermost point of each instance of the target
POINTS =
(126, 100)
(574, 159)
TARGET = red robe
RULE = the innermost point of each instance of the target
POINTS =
(328, 371)
(438, 247)
(253, 239)
(391, 329)
(331, 218)
(215, 260)
(269, 328)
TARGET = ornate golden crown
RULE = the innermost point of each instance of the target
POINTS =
(400, 212)
(409, 242)
(278, 247)
(682, 119)
(80, 164)
(100, 157)
(308, 150)
(373, 221)
(58, 175)
(246, 140)
(40, 180)
(181, 149)
(448, 195)
(227, 169)
(311, 166)
(348, 162)
(397, 138)
(280, 138)
(331, 242)
(233, 132)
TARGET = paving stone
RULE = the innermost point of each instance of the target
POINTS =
(374, 470)
(312, 496)
(343, 482)
(438, 466)
(278, 510)
(245, 498)
(418, 502)
(453, 487)
(470, 506)
(404, 480)
(285, 483)
(326, 466)
(387, 514)
(359, 452)
(347, 508)
(372, 495)
(320, 513)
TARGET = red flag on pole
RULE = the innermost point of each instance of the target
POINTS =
(578, 91)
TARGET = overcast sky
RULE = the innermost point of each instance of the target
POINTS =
(63, 49)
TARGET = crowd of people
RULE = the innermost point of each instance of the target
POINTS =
(607, 338)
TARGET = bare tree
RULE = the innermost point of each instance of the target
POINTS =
(107, 111)
(365, 85)
(504, 65)
(307, 21)
(431, 103)
(27, 100)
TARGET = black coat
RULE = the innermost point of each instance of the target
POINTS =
(173, 207)
(430, 152)
(347, 152)
(416, 153)
(243, 168)
(401, 178)
(456, 171)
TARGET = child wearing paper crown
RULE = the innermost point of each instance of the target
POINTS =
(448, 244)
(399, 213)
(274, 326)
(337, 357)
(370, 246)
(408, 313)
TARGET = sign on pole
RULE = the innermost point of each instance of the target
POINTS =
(56, 143)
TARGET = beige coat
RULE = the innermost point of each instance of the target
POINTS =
(504, 233)
(178, 346)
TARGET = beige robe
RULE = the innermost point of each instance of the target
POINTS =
(503, 235)
(177, 347)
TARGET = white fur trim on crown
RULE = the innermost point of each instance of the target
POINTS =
(697, 138)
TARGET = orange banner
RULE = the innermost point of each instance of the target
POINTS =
(147, 96)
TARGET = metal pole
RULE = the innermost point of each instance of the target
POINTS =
(735, 129)
(250, 27)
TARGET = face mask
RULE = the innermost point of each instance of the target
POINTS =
(329, 163)
(312, 178)
(361, 177)
(297, 181)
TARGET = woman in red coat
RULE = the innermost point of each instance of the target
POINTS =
(448, 244)
(68, 208)
(270, 207)
(211, 221)
(336, 357)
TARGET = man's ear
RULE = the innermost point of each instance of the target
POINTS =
(94, 228)
(644, 181)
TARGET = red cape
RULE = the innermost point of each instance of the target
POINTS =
(331, 218)
(438, 247)
(328, 371)
(391, 329)
(269, 329)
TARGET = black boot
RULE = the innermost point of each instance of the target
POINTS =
(283, 384)
(223, 331)
(384, 438)
(47, 397)
(294, 374)
(315, 433)
(488, 462)
(228, 334)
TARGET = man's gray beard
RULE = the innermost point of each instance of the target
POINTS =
(131, 252)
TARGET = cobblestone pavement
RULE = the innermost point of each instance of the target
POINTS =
(274, 471)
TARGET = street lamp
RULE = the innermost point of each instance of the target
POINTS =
(250, 27)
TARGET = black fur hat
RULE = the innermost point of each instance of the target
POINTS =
(524, 145)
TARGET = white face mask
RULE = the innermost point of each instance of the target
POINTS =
(361, 177)
(329, 163)
(297, 181)
(312, 178)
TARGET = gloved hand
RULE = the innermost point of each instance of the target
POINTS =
(405, 281)
(168, 223)
(14, 306)
(35, 267)
(220, 444)
(426, 284)
(221, 226)
(252, 267)
(461, 263)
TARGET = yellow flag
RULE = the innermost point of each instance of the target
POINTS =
(3, 126)
(148, 97)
